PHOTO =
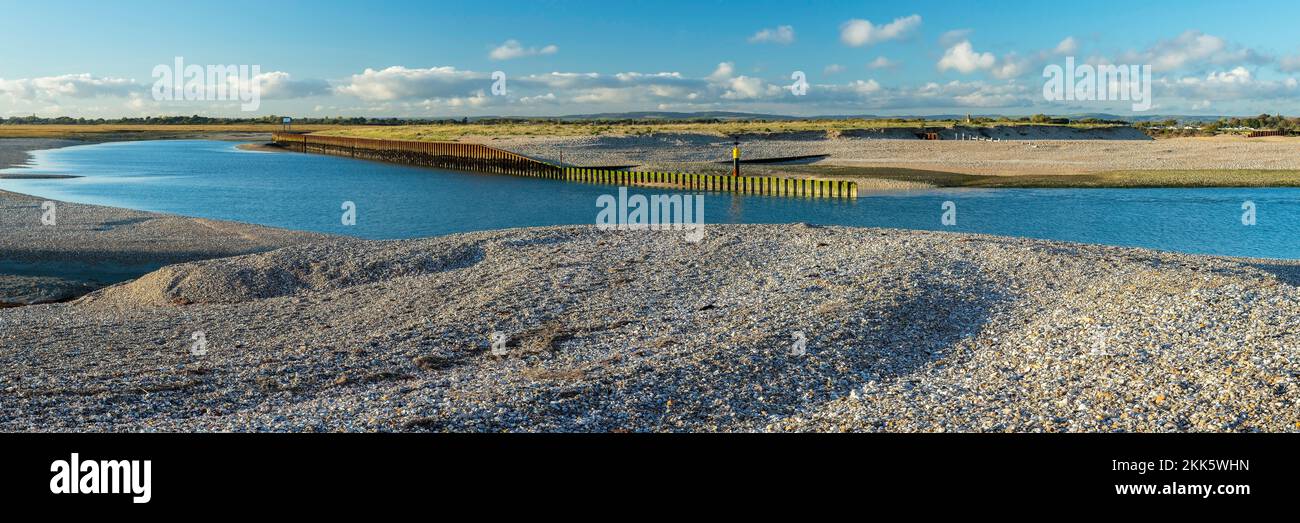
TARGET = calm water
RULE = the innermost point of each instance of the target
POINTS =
(215, 180)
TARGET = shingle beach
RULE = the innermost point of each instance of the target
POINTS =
(643, 331)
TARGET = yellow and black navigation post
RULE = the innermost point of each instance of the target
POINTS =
(735, 159)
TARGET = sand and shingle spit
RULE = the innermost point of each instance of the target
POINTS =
(53, 250)
(643, 331)
(1036, 153)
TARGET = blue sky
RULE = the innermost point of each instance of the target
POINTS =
(436, 58)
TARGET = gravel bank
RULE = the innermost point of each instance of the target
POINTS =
(1010, 157)
(14, 151)
(89, 246)
(641, 331)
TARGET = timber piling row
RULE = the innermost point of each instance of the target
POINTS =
(481, 158)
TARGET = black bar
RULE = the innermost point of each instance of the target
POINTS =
(982, 473)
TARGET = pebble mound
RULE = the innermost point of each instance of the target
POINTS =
(319, 267)
(755, 328)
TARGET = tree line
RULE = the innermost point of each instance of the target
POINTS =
(208, 120)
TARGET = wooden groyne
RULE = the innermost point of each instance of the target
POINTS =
(481, 158)
(1261, 134)
(447, 155)
(764, 185)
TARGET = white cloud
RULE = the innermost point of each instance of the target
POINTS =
(1239, 75)
(783, 35)
(82, 85)
(723, 71)
(882, 63)
(740, 87)
(441, 90)
(513, 49)
(965, 59)
(1235, 84)
(1289, 64)
(867, 87)
(399, 83)
(746, 88)
(857, 33)
(1011, 66)
(281, 85)
(1068, 46)
(1192, 50)
(475, 100)
(871, 95)
(539, 99)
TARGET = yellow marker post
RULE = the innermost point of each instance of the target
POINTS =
(735, 160)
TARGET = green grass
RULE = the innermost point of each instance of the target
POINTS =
(1108, 179)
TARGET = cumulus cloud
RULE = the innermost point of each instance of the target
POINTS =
(963, 58)
(1233, 84)
(281, 85)
(626, 87)
(53, 94)
(740, 87)
(1011, 66)
(783, 35)
(402, 83)
(857, 32)
(882, 63)
(1289, 64)
(512, 49)
(1067, 46)
(83, 85)
(442, 89)
(747, 88)
(1239, 75)
(1193, 50)
(447, 90)
(870, 94)
(861, 87)
(723, 71)
(450, 88)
